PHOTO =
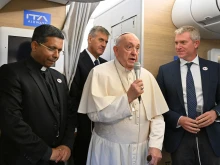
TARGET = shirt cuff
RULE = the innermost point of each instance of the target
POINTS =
(177, 125)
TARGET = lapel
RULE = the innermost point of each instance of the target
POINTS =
(87, 62)
(58, 81)
(205, 79)
(102, 60)
(176, 77)
(36, 75)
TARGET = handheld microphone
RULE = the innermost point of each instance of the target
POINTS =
(137, 70)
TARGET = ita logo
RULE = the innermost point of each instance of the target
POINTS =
(33, 18)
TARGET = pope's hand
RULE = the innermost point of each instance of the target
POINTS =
(135, 90)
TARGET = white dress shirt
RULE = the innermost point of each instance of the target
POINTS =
(195, 69)
(92, 57)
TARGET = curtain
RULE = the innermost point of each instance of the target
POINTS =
(74, 27)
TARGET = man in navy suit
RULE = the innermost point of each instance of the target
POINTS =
(97, 41)
(191, 140)
(36, 116)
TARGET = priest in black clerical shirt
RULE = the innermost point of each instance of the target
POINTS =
(36, 118)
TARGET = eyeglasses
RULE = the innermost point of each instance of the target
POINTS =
(54, 50)
(132, 47)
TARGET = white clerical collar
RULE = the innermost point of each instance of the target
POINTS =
(92, 57)
(120, 67)
(43, 68)
(195, 61)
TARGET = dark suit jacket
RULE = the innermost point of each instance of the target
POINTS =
(28, 120)
(169, 80)
(81, 145)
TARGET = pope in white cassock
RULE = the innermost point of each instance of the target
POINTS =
(126, 131)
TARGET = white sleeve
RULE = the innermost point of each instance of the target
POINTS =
(113, 113)
(157, 128)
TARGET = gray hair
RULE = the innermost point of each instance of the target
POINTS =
(194, 32)
(98, 29)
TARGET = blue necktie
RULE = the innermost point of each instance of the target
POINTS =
(191, 93)
(96, 62)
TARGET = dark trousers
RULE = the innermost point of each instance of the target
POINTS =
(82, 141)
(80, 151)
(195, 149)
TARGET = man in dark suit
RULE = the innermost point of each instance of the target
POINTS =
(97, 41)
(188, 83)
(36, 116)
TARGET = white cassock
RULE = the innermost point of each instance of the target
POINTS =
(123, 132)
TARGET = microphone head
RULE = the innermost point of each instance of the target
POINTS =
(137, 69)
(137, 66)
